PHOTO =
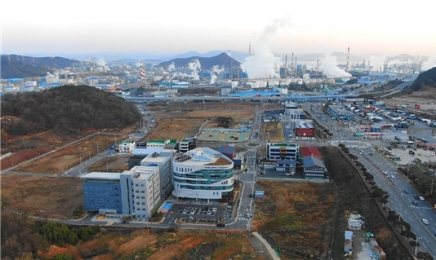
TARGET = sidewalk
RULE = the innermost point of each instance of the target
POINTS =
(271, 251)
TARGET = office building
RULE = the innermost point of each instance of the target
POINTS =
(140, 189)
(203, 174)
(135, 192)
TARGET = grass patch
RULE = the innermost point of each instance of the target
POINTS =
(285, 221)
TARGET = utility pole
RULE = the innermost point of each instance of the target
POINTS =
(416, 245)
(431, 191)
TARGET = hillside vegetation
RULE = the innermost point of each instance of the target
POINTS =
(17, 66)
(66, 109)
(424, 81)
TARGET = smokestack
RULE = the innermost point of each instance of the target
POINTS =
(249, 48)
(292, 62)
(348, 59)
(296, 65)
(286, 64)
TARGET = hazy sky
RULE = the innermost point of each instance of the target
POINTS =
(173, 26)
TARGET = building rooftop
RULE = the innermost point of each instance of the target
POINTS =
(102, 176)
(284, 145)
(203, 156)
(163, 142)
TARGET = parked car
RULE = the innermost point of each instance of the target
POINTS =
(411, 152)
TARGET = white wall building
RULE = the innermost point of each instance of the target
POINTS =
(125, 147)
(203, 174)
(140, 191)
(162, 160)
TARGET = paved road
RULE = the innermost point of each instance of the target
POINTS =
(393, 182)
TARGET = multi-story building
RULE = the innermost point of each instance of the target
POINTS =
(140, 191)
(135, 192)
(102, 192)
(282, 151)
(203, 174)
(163, 160)
(186, 144)
(125, 147)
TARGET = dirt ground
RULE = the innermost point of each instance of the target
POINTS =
(147, 244)
(70, 156)
(50, 197)
(273, 132)
(178, 125)
(296, 215)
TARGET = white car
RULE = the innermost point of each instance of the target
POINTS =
(392, 176)
(425, 221)
(421, 198)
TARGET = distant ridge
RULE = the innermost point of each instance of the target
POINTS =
(222, 60)
(17, 66)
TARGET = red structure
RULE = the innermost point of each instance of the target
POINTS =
(305, 132)
(310, 151)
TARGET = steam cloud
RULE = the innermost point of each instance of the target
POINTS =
(195, 66)
(101, 62)
(377, 62)
(429, 63)
(263, 63)
(216, 70)
(171, 67)
(329, 67)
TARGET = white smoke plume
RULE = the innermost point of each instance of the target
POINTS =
(195, 66)
(216, 70)
(101, 62)
(329, 67)
(171, 67)
(377, 62)
(429, 63)
(213, 79)
(262, 63)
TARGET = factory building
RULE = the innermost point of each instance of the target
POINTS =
(339, 112)
(203, 174)
(292, 112)
(304, 129)
(229, 151)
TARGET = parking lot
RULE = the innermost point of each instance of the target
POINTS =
(199, 214)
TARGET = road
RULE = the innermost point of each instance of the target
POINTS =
(388, 178)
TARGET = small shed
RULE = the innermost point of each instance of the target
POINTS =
(259, 194)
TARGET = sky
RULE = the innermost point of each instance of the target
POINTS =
(56, 27)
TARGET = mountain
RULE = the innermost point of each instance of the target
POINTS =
(66, 109)
(222, 60)
(425, 81)
(16, 66)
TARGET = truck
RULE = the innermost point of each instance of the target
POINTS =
(428, 121)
